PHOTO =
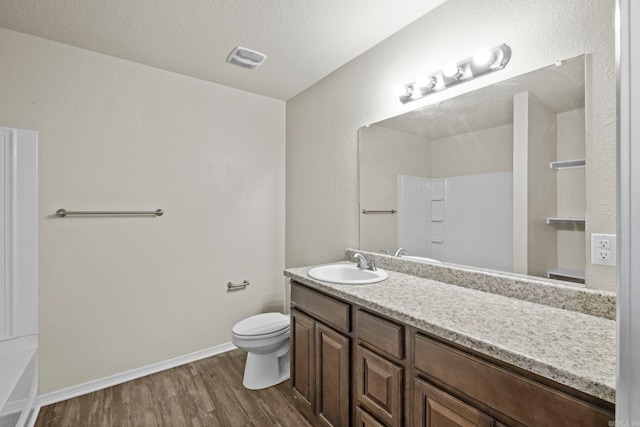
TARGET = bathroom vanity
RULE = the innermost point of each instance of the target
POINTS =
(412, 350)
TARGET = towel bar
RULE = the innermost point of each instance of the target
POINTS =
(63, 212)
(392, 211)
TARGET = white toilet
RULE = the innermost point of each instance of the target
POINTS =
(265, 338)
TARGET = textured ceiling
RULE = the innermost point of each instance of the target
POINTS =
(304, 40)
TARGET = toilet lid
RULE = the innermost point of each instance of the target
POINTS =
(261, 324)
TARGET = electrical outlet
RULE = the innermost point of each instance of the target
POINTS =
(603, 249)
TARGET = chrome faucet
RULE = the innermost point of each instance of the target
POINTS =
(400, 252)
(363, 264)
(372, 264)
(361, 260)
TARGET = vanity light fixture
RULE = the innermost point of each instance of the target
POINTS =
(483, 62)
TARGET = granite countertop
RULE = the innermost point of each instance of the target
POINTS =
(571, 348)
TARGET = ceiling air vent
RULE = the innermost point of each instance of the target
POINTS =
(246, 58)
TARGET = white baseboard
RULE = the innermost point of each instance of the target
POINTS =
(91, 386)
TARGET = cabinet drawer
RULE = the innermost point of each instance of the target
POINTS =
(520, 398)
(365, 420)
(379, 386)
(380, 333)
(329, 310)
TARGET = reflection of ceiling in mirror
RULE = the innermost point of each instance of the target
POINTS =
(559, 88)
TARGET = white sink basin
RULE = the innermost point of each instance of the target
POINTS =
(347, 274)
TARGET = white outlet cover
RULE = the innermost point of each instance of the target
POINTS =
(596, 251)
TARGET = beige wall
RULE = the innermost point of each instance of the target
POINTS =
(483, 151)
(385, 154)
(121, 293)
(521, 183)
(535, 243)
(322, 122)
(542, 198)
(572, 242)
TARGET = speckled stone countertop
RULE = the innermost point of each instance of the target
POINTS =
(540, 290)
(569, 347)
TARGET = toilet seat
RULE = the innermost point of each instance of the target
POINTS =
(261, 326)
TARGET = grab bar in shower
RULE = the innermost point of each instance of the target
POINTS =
(392, 211)
(63, 212)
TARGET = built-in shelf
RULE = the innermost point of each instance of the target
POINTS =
(565, 221)
(566, 272)
(575, 276)
(567, 164)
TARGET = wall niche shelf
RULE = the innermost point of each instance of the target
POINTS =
(556, 220)
(576, 276)
(567, 164)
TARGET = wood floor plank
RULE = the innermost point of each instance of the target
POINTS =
(191, 391)
(206, 393)
(149, 417)
(205, 420)
(203, 398)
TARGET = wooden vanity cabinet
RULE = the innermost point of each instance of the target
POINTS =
(353, 366)
(320, 356)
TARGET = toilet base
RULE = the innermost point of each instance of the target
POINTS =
(266, 370)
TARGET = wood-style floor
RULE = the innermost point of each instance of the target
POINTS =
(208, 392)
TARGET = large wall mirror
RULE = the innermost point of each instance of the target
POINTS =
(493, 178)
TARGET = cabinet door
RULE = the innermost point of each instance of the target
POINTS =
(332, 370)
(435, 408)
(379, 386)
(303, 358)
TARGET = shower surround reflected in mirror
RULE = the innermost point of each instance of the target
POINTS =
(472, 180)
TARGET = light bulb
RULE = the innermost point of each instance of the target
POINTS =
(451, 70)
(403, 91)
(424, 82)
(483, 58)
